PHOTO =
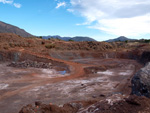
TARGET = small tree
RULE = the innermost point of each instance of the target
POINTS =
(41, 37)
(70, 40)
(126, 41)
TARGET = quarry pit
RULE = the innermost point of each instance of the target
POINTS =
(66, 80)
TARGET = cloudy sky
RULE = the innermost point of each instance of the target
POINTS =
(99, 19)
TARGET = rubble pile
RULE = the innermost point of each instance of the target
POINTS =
(29, 63)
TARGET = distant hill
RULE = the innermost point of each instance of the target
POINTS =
(7, 28)
(77, 38)
(121, 38)
(56, 36)
(80, 39)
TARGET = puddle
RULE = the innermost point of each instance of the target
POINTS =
(62, 72)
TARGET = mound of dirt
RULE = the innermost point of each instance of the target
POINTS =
(132, 104)
(43, 108)
(61, 45)
(8, 41)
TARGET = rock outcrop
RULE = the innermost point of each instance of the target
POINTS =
(141, 82)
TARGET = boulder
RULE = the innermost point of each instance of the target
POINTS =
(141, 82)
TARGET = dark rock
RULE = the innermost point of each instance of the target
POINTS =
(141, 82)
(82, 84)
(38, 103)
(101, 95)
(132, 101)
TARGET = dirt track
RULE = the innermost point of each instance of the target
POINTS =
(28, 87)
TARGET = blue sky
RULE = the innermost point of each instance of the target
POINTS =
(99, 19)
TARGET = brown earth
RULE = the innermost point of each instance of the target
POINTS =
(95, 72)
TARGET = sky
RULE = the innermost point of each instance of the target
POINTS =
(99, 19)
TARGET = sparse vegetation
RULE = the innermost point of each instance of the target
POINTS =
(147, 41)
(50, 46)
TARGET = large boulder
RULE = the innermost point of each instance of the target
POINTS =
(141, 82)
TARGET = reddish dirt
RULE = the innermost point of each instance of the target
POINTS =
(132, 104)
(102, 71)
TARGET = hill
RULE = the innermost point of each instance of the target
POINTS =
(56, 36)
(77, 38)
(80, 39)
(7, 28)
(121, 38)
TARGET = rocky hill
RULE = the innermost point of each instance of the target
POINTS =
(7, 28)
(121, 38)
(80, 39)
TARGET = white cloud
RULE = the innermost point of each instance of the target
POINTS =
(70, 10)
(17, 5)
(6, 1)
(60, 4)
(118, 17)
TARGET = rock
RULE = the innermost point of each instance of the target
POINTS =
(94, 96)
(82, 84)
(141, 82)
(38, 103)
(101, 95)
(132, 101)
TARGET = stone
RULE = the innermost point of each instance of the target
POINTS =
(38, 103)
(141, 82)
(102, 95)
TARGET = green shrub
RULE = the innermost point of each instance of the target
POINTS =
(41, 37)
(70, 40)
(146, 41)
